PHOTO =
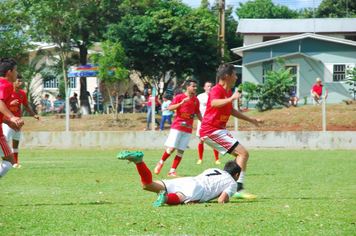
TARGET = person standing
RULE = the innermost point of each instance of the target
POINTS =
(98, 101)
(8, 75)
(149, 108)
(166, 113)
(187, 106)
(213, 128)
(18, 97)
(203, 100)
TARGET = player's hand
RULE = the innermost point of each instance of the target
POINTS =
(13, 126)
(236, 95)
(18, 121)
(257, 121)
(185, 100)
(14, 102)
(37, 117)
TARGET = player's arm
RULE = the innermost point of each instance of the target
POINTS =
(12, 125)
(29, 110)
(216, 103)
(175, 106)
(4, 110)
(200, 117)
(224, 198)
(239, 115)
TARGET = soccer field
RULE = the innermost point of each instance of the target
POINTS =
(92, 193)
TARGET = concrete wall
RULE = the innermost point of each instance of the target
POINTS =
(328, 140)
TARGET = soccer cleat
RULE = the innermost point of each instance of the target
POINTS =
(200, 162)
(217, 162)
(173, 174)
(162, 199)
(244, 195)
(15, 165)
(158, 168)
(135, 157)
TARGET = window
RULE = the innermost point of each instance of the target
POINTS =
(271, 66)
(350, 37)
(73, 82)
(268, 38)
(263, 75)
(50, 83)
(339, 73)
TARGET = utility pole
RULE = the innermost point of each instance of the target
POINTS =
(221, 30)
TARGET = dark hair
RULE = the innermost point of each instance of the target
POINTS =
(75, 94)
(208, 82)
(19, 76)
(232, 168)
(189, 81)
(46, 95)
(167, 96)
(6, 64)
(223, 70)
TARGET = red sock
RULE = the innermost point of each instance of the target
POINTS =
(144, 172)
(15, 154)
(165, 155)
(176, 161)
(173, 199)
(201, 150)
(216, 153)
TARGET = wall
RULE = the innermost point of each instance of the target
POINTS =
(138, 140)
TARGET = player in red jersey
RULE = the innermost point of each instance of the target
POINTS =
(213, 128)
(8, 75)
(187, 106)
(18, 97)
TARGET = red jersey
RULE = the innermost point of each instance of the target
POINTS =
(318, 89)
(149, 101)
(22, 99)
(6, 89)
(185, 113)
(216, 118)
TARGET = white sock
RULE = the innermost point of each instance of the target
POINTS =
(168, 152)
(15, 150)
(172, 170)
(241, 178)
(5, 166)
(161, 161)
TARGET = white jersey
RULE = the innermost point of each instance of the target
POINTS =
(204, 187)
(203, 101)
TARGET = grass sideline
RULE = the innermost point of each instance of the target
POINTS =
(61, 192)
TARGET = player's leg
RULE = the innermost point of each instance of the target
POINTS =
(200, 151)
(7, 158)
(176, 161)
(216, 154)
(15, 151)
(179, 140)
(165, 156)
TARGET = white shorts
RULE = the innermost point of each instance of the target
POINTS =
(178, 139)
(5, 149)
(10, 133)
(188, 186)
(198, 128)
(221, 140)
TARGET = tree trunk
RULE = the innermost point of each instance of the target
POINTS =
(84, 102)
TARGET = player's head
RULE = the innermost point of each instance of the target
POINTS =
(46, 95)
(166, 97)
(18, 83)
(232, 168)
(190, 85)
(8, 68)
(207, 86)
(227, 72)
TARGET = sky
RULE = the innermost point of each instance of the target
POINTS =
(292, 4)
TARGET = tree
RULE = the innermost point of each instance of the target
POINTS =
(232, 40)
(114, 57)
(332, 9)
(264, 9)
(171, 40)
(14, 40)
(351, 80)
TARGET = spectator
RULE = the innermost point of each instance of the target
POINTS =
(59, 105)
(149, 108)
(178, 89)
(139, 101)
(46, 105)
(145, 90)
(74, 104)
(121, 101)
(98, 101)
(166, 114)
(169, 90)
(134, 90)
(127, 103)
(317, 91)
(292, 99)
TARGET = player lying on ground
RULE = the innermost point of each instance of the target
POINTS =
(212, 183)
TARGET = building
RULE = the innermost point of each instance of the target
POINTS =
(314, 48)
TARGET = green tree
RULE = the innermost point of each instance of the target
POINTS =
(264, 9)
(232, 40)
(114, 57)
(351, 80)
(332, 9)
(171, 40)
(14, 40)
(250, 90)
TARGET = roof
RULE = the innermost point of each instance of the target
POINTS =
(294, 26)
(239, 50)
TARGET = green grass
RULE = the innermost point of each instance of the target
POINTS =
(91, 193)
